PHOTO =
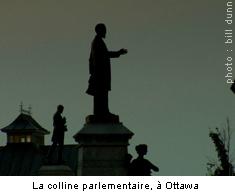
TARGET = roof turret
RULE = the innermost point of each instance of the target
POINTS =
(24, 129)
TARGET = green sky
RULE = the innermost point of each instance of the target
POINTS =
(169, 89)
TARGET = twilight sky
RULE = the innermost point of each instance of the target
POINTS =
(169, 89)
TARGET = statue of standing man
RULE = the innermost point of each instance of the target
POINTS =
(60, 127)
(100, 71)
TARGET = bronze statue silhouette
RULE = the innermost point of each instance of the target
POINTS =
(141, 166)
(60, 127)
(100, 72)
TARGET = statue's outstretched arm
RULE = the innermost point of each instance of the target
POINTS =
(153, 167)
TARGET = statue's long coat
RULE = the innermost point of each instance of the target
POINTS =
(59, 128)
(100, 69)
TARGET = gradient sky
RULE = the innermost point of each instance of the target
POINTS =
(169, 89)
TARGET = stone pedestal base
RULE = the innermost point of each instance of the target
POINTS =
(102, 149)
(55, 170)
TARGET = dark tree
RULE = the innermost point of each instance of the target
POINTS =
(222, 145)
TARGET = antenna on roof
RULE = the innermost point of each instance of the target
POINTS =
(30, 108)
(21, 107)
(25, 111)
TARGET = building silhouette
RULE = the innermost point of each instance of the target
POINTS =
(101, 149)
(25, 152)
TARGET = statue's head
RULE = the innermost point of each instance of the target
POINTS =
(141, 149)
(100, 30)
(60, 108)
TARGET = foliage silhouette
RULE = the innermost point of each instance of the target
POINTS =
(220, 139)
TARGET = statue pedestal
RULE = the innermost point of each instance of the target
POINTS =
(55, 170)
(102, 148)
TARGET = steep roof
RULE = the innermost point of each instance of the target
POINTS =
(20, 160)
(26, 159)
(24, 122)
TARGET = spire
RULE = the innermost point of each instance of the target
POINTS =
(23, 111)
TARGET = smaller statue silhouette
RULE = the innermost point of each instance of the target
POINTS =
(60, 127)
(141, 166)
